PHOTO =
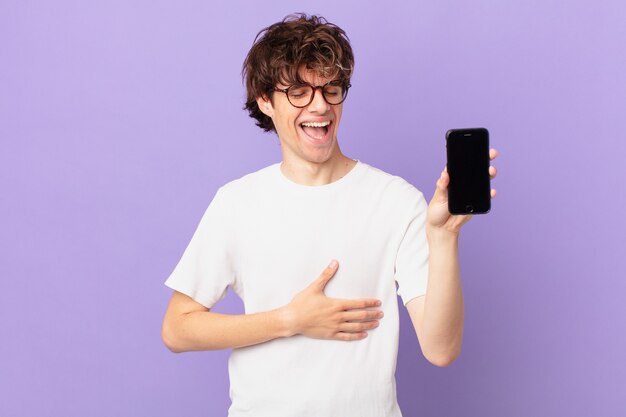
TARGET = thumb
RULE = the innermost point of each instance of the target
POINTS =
(441, 192)
(327, 274)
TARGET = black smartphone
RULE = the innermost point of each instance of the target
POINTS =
(469, 190)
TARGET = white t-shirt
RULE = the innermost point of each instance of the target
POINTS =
(269, 238)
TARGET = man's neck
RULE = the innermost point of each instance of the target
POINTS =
(314, 174)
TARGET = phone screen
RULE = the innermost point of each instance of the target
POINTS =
(468, 166)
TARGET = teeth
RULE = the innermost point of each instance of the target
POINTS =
(314, 124)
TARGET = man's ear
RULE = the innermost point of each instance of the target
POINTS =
(265, 105)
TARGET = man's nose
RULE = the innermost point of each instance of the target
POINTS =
(319, 103)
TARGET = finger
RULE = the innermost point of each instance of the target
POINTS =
(358, 327)
(493, 172)
(443, 181)
(327, 274)
(466, 218)
(350, 336)
(361, 316)
(441, 190)
(347, 304)
(493, 193)
(493, 153)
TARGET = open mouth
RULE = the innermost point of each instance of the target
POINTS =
(317, 131)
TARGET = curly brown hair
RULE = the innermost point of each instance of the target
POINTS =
(279, 51)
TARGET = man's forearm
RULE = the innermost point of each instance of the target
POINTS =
(443, 306)
(206, 330)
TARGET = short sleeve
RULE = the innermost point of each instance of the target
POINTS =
(411, 272)
(204, 271)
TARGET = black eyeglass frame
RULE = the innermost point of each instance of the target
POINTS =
(315, 87)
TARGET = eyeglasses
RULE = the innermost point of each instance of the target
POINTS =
(301, 95)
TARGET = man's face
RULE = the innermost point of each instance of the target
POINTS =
(299, 142)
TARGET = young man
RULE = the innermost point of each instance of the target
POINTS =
(314, 246)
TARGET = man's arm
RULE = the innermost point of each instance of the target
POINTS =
(438, 316)
(190, 326)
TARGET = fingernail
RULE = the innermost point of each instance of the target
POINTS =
(378, 302)
(333, 264)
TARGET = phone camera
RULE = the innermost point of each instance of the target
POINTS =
(469, 208)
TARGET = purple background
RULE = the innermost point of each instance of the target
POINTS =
(120, 119)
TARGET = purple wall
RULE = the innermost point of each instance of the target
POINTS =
(119, 120)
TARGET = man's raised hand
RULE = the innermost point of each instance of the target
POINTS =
(439, 218)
